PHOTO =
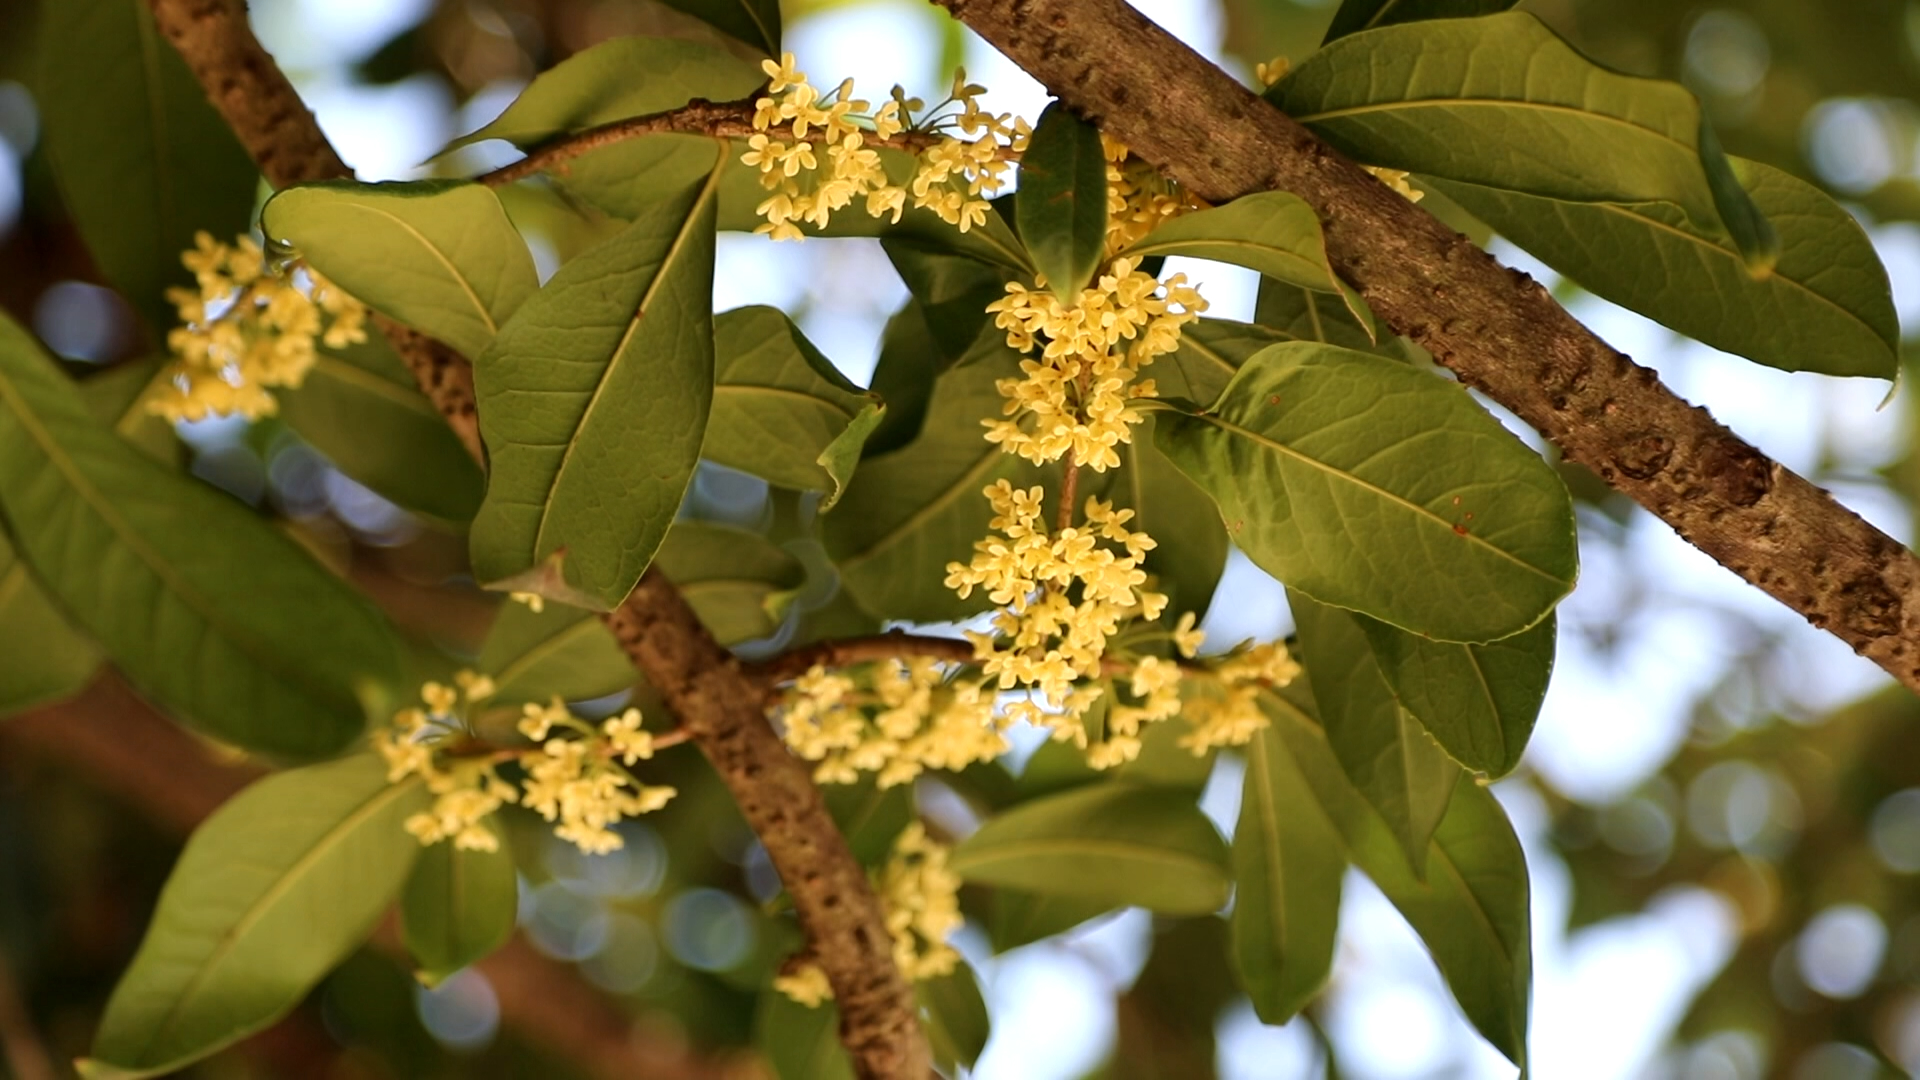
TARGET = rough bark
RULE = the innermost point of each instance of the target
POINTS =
(121, 745)
(701, 682)
(1495, 328)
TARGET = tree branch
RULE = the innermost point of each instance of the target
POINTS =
(1495, 328)
(841, 652)
(703, 684)
(123, 746)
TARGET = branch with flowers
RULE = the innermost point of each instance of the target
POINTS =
(1058, 448)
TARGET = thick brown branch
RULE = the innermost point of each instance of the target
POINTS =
(132, 753)
(715, 701)
(846, 929)
(1495, 328)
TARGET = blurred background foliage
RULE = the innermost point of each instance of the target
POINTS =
(1722, 808)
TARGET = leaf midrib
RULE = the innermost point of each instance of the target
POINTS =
(1487, 103)
(230, 938)
(780, 391)
(667, 263)
(1470, 537)
(480, 308)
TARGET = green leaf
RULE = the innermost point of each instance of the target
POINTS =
(1061, 207)
(1478, 702)
(870, 817)
(1827, 306)
(593, 403)
(272, 891)
(781, 410)
(1273, 232)
(46, 658)
(117, 397)
(458, 906)
(1210, 352)
(1351, 478)
(1016, 918)
(800, 1043)
(1305, 315)
(559, 650)
(359, 406)
(1288, 862)
(1394, 765)
(142, 159)
(629, 76)
(756, 22)
(1113, 842)
(1357, 15)
(910, 512)
(738, 582)
(955, 1015)
(1502, 102)
(437, 255)
(208, 609)
(1471, 910)
(952, 292)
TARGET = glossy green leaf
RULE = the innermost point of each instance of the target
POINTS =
(628, 76)
(1305, 315)
(1502, 102)
(738, 582)
(1016, 918)
(1274, 232)
(952, 292)
(1357, 15)
(869, 816)
(955, 1015)
(1210, 351)
(272, 891)
(1351, 478)
(910, 512)
(1478, 702)
(117, 397)
(593, 404)
(207, 608)
(1061, 207)
(47, 658)
(142, 159)
(1117, 843)
(1288, 862)
(359, 406)
(756, 22)
(781, 410)
(800, 1043)
(1472, 908)
(1827, 307)
(457, 907)
(437, 255)
(1394, 765)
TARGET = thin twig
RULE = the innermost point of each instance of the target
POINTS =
(858, 650)
(26, 1052)
(724, 119)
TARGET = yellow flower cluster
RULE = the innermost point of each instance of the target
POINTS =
(1223, 709)
(1138, 197)
(898, 719)
(1061, 595)
(575, 781)
(249, 326)
(952, 177)
(1075, 396)
(922, 901)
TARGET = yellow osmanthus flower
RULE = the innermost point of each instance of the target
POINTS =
(1271, 71)
(577, 781)
(1074, 396)
(250, 326)
(921, 897)
(1223, 708)
(1138, 197)
(896, 718)
(1397, 180)
(813, 154)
